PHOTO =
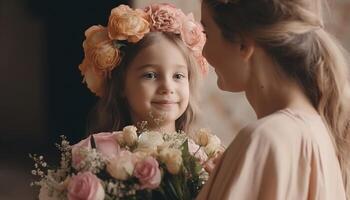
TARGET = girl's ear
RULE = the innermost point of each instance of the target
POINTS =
(247, 48)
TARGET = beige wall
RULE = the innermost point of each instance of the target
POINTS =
(20, 68)
(225, 113)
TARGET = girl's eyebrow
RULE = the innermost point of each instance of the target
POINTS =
(155, 65)
(145, 66)
(181, 66)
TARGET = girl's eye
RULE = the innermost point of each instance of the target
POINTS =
(179, 76)
(149, 75)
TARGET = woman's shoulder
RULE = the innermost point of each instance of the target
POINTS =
(281, 128)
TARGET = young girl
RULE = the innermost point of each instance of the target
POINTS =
(296, 78)
(144, 66)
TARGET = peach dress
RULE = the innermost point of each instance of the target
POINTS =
(287, 155)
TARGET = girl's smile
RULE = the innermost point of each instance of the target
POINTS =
(157, 82)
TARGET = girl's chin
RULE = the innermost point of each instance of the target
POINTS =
(160, 116)
(167, 125)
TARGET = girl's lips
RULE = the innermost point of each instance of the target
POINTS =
(164, 104)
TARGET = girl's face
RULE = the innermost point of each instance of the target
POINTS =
(157, 82)
(224, 56)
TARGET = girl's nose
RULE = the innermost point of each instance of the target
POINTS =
(166, 91)
(166, 87)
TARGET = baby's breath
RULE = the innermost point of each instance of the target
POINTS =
(175, 139)
(119, 189)
(93, 161)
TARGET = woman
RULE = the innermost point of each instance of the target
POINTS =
(295, 77)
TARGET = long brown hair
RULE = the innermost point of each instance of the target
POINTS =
(111, 112)
(292, 32)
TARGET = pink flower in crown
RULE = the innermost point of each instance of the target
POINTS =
(165, 17)
(148, 173)
(202, 62)
(106, 144)
(85, 186)
(192, 33)
(194, 38)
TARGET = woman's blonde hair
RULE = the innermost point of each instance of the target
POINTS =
(292, 32)
(111, 112)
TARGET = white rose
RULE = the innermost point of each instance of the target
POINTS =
(130, 135)
(119, 137)
(163, 146)
(172, 159)
(150, 139)
(214, 144)
(140, 154)
(145, 152)
(122, 166)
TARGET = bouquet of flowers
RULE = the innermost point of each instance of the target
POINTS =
(128, 164)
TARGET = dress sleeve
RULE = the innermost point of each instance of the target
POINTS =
(260, 164)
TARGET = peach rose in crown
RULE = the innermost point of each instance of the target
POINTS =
(165, 17)
(105, 144)
(148, 173)
(100, 49)
(94, 79)
(127, 24)
(85, 186)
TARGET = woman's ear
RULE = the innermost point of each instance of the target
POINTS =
(247, 48)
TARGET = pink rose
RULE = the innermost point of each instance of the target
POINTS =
(192, 33)
(148, 173)
(85, 186)
(105, 144)
(165, 17)
(196, 152)
(202, 62)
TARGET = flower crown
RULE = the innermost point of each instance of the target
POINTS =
(102, 44)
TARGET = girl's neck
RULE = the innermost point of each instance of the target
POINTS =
(270, 90)
(163, 127)
(153, 125)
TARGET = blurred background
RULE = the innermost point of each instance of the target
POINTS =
(42, 96)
